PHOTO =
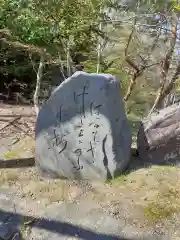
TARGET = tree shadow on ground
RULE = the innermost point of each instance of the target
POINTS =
(58, 227)
(17, 163)
(135, 163)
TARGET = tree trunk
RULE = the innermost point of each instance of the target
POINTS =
(169, 100)
(99, 51)
(68, 60)
(162, 93)
(39, 76)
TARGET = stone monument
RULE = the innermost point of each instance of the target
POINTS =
(82, 131)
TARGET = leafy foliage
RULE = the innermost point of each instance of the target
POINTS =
(63, 27)
(54, 25)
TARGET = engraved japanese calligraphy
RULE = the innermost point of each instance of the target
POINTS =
(95, 108)
(91, 149)
(78, 153)
(82, 131)
(59, 113)
(82, 94)
(59, 141)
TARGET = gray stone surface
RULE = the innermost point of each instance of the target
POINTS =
(158, 139)
(82, 131)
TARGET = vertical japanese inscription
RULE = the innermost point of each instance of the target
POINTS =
(91, 149)
(59, 113)
(83, 99)
(91, 108)
(57, 141)
(75, 100)
(94, 135)
(96, 108)
(117, 119)
(64, 142)
(78, 153)
(81, 133)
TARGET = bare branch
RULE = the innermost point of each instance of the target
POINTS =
(163, 81)
(170, 86)
(138, 69)
(171, 49)
(22, 130)
(152, 48)
(132, 64)
(135, 76)
(130, 38)
(61, 68)
(131, 85)
(164, 71)
(10, 123)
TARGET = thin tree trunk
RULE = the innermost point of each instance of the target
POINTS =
(165, 68)
(139, 70)
(157, 100)
(170, 99)
(171, 84)
(39, 76)
(99, 51)
(132, 84)
(62, 67)
(68, 60)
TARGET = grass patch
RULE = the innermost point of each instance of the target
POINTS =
(156, 212)
(11, 155)
(166, 203)
(53, 190)
(153, 191)
(17, 176)
(8, 176)
(164, 169)
(119, 180)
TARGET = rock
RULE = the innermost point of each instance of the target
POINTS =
(158, 140)
(82, 131)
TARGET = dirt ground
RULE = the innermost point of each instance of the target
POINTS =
(149, 198)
